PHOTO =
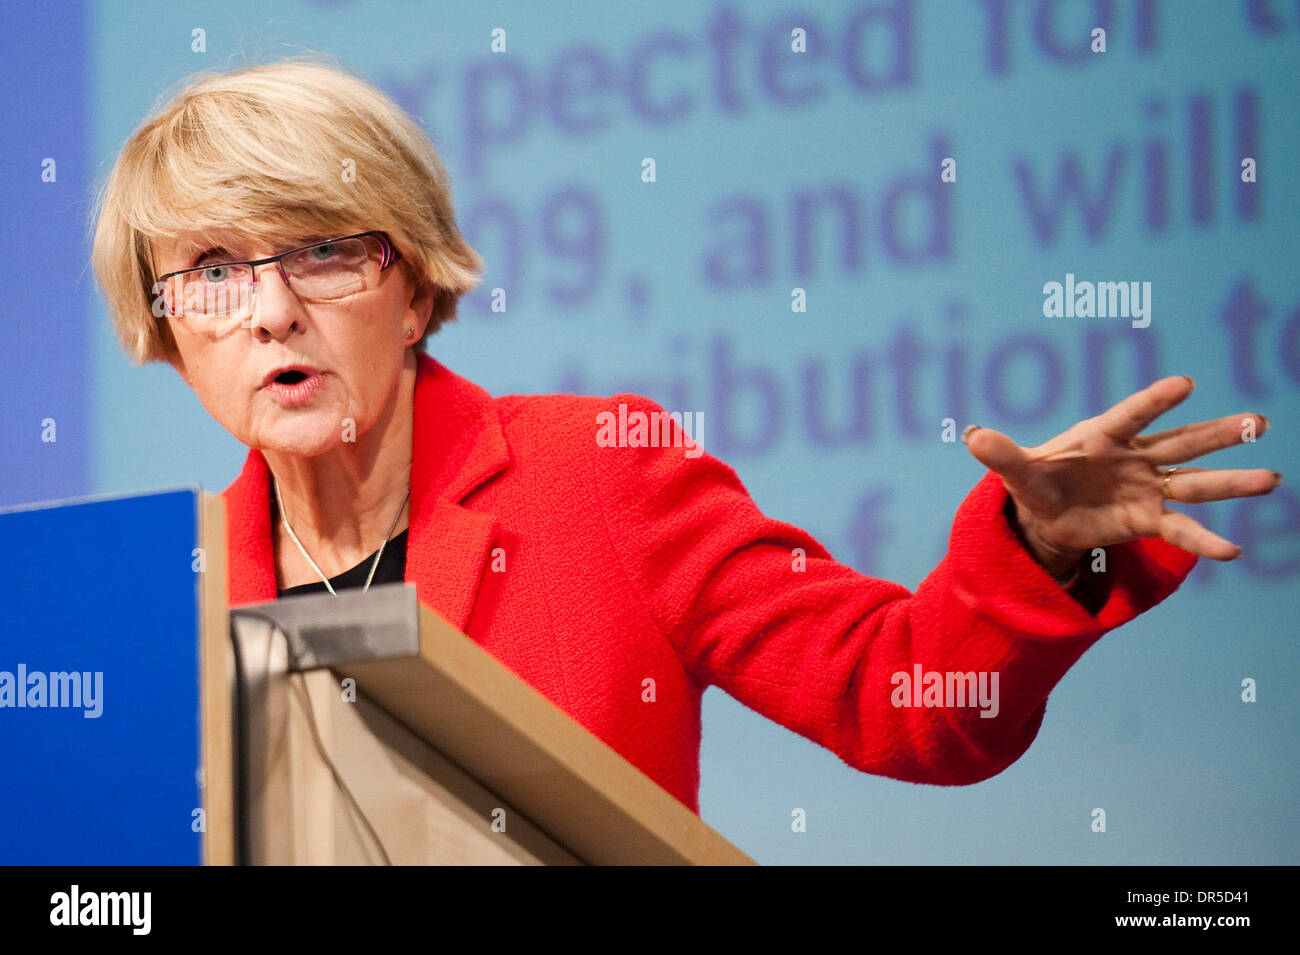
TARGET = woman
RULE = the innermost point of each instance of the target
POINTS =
(284, 237)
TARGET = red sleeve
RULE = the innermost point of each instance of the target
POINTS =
(816, 649)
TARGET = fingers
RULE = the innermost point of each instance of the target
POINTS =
(1195, 486)
(996, 452)
(1193, 440)
(1182, 531)
(1124, 420)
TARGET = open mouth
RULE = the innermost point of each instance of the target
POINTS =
(295, 386)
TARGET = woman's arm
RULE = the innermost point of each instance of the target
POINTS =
(757, 607)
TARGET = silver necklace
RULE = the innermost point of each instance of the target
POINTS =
(373, 567)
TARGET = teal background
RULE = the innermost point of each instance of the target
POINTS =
(1149, 725)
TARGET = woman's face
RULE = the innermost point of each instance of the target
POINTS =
(353, 348)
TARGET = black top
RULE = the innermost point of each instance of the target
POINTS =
(391, 570)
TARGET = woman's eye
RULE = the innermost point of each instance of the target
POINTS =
(215, 273)
(326, 251)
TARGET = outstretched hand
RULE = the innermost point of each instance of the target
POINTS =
(1102, 482)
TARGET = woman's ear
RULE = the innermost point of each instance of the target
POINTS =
(420, 308)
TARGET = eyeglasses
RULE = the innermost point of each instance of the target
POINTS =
(320, 272)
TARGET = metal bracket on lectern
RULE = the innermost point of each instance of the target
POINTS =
(319, 631)
(324, 630)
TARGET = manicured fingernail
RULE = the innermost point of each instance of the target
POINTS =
(966, 434)
(1190, 379)
(1236, 555)
(1277, 476)
(1264, 418)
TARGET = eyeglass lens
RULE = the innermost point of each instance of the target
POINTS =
(323, 272)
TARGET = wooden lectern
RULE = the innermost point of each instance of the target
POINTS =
(365, 729)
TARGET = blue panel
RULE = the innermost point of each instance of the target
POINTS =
(101, 587)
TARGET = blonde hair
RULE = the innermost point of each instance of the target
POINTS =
(258, 154)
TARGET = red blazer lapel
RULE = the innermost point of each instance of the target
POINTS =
(249, 552)
(458, 446)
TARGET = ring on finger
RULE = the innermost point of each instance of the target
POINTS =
(1164, 486)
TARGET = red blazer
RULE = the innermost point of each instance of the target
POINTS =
(630, 564)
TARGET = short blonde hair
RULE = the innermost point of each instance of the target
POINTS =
(260, 154)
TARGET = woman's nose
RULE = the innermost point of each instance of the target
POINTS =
(276, 309)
